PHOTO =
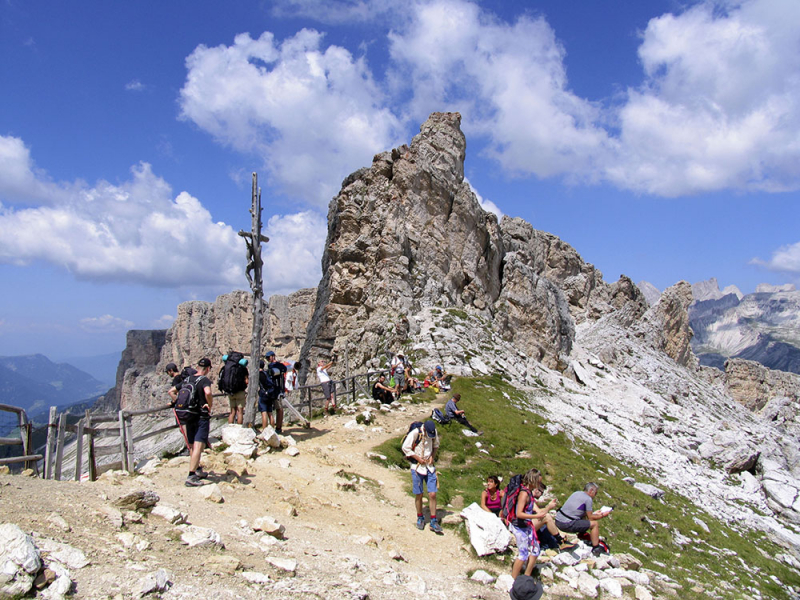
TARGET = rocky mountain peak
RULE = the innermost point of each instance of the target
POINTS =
(408, 233)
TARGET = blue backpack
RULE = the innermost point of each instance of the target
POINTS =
(438, 416)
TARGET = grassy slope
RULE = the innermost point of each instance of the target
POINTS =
(722, 560)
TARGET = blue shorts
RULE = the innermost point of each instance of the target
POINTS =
(430, 481)
(266, 404)
(197, 431)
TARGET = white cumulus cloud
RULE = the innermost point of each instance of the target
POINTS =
(314, 115)
(133, 232)
(785, 259)
(105, 324)
(292, 258)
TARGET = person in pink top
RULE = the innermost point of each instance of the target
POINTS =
(492, 496)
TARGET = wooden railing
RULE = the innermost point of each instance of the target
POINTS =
(23, 440)
(119, 425)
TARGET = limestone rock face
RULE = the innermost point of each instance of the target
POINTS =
(408, 234)
(667, 323)
(754, 385)
(205, 329)
(142, 350)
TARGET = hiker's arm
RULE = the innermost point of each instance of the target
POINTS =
(522, 500)
(484, 496)
(173, 393)
(542, 512)
(209, 397)
(596, 515)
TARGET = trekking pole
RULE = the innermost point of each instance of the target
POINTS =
(180, 426)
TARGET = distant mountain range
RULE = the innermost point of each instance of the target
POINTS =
(763, 326)
(35, 383)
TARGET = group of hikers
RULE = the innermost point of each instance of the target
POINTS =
(532, 526)
(517, 505)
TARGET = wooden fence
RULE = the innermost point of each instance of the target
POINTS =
(24, 439)
(119, 425)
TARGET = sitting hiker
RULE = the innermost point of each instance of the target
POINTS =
(520, 524)
(492, 496)
(543, 523)
(576, 516)
(453, 413)
(439, 379)
(382, 392)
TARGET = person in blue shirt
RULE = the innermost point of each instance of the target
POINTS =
(455, 414)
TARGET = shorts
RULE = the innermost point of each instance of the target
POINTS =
(266, 403)
(238, 399)
(400, 382)
(527, 543)
(430, 480)
(197, 431)
(327, 389)
(576, 526)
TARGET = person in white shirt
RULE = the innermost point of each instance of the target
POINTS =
(327, 384)
(420, 447)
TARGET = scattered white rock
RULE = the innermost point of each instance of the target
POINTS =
(269, 526)
(288, 565)
(192, 535)
(642, 593)
(487, 534)
(19, 561)
(59, 522)
(482, 576)
(156, 582)
(292, 451)
(612, 587)
(504, 582)
(650, 490)
(284, 463)
(168, 513)
(270, 437)
(255, 577)
(212, 493)
(588, 585)
(67, 555)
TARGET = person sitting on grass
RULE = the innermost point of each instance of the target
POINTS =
(382, 392)
(453, 413)
(577, 516)
(543, 523)
(492, 496)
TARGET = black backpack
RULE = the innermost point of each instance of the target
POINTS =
(233, 374)
(188, 405)
(276, 376)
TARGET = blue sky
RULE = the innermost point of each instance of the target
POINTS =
(661, 139)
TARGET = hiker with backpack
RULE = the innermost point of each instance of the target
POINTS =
(233, 381)
(193, 409)
(399, 367)
(420, 447)
(276, 375)
(519, 513)
(177, 379)
(453, 413)
(577, 516)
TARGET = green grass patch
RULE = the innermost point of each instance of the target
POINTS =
(722, 560)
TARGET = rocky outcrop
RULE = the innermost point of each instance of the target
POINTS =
(408, 233)
(204, 329)
(754, 385)
(142, 351)
(667, 324)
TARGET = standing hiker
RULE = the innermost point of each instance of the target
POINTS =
(327, 384)
(276, 372)
(420, 446)
(193, 408)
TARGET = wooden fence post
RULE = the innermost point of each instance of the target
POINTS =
(62, 423)
(48, 451)
(123, 450)
(25, 435)
(129, 443)
(91, 459)
(79, 451)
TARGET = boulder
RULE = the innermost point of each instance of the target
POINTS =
(482, 576)
(288, 565)
(240, 440)
(137, 500)
(270, 526)
(272, 439)
(19, 561)
(67, 555)
(487, 534)
(168, 513)
(155, 582)
(650, 490)
(212, 493)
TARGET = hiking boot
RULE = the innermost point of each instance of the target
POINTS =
(598, 550)
(479, 432)
(278, 430)
(567, 547)
(200, 473)
(435, 527)
(420, 523)
(193, 481)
